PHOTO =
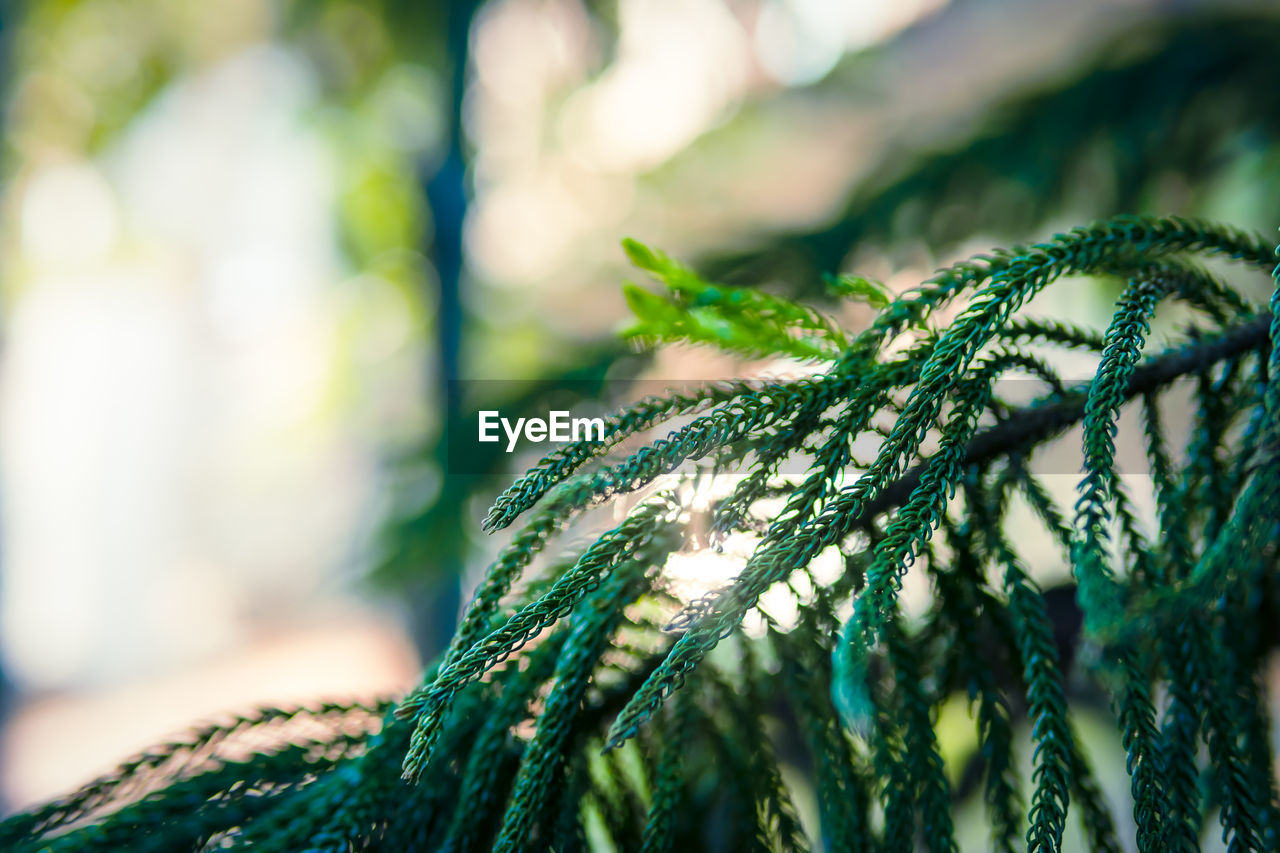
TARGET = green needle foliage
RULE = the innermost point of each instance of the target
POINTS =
(585, 703)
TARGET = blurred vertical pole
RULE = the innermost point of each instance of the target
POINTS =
(436, 602)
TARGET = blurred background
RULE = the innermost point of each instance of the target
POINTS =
(247, 245)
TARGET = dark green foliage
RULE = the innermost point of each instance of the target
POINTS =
(1178, 100)
(710, 731)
